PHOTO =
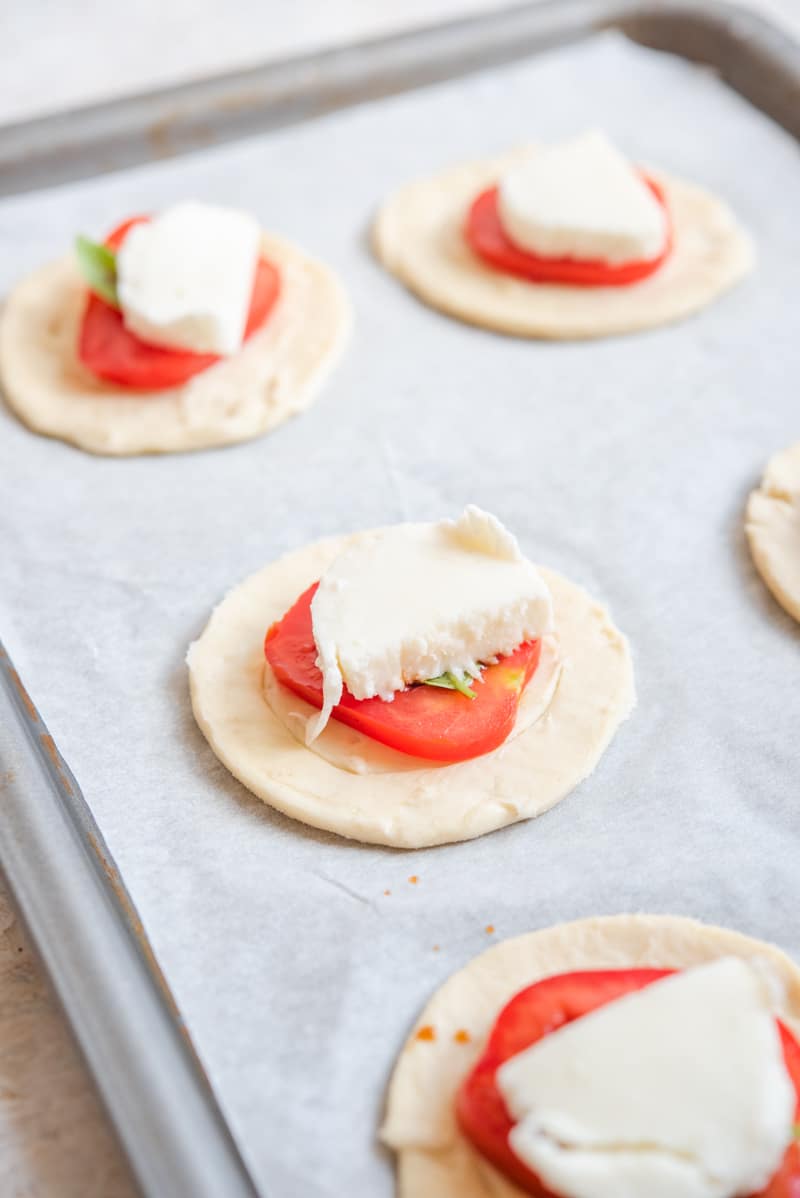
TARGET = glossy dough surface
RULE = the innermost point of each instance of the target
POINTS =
(418, 236)
(418, 806)
(773, 528)
(433, 1158)
(275, 375)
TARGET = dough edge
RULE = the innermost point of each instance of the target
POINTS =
(417, 236)
(772, 525)
(275, 375)
(413, 809)
(433, 1158)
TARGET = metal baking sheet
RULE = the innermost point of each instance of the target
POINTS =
(623, 463)
(79, 912)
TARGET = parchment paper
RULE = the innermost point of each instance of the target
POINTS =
(625, 464)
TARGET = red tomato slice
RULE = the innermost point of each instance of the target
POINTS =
(786, 1182)
(540, 1010)
(425, 721)
(487, 237)
(112, 352)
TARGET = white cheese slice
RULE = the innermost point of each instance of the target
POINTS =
(413, 601)
(677, 1091)
(185, 278)
(581, 199)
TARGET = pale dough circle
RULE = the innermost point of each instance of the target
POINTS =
(433, 1157)
(275, 375)
(773, 528)
(417, 807)
(418, 235)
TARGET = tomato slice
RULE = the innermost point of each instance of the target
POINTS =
(540, 1010)
(485, 233)
(113, 352)
(424, 721)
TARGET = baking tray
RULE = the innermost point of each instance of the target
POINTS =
(77, 909)
(71, 569)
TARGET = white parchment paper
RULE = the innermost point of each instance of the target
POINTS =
(625, 464)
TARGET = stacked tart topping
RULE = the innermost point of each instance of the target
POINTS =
(421, 636)
(628, 1083)
(576, 214)
(173, 294)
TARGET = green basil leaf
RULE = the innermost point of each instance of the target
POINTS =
(98, 266)
(451, 681)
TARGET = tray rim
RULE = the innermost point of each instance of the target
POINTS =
(90, 939)
(749, 51)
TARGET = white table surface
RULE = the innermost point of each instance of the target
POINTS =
(54, 1139)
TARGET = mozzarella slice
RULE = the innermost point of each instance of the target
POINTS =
(411, 602)
(581, 199)
(185, 278)
(677, 1091)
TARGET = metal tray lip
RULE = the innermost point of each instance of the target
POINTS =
(33, 753)
(168, 121)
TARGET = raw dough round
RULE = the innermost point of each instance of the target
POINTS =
(409, 808)
(419, 236)
(275, 374)
(773, 528)
(434, 1159)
